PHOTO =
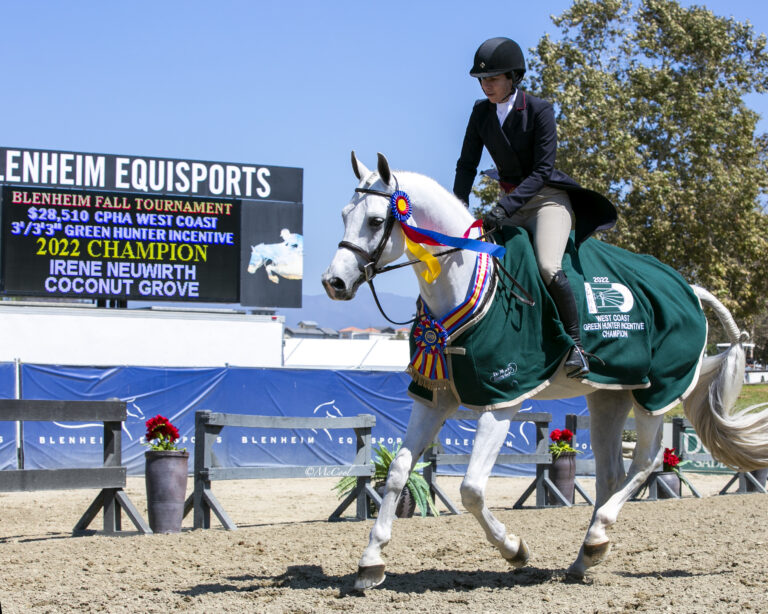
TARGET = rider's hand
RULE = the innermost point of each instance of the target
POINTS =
(494, 217)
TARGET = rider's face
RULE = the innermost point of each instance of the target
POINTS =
(496, 88)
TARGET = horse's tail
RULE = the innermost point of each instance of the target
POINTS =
(737, 439)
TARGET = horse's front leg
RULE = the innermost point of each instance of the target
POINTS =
(272, 273)
(423, 425)
(492, 429)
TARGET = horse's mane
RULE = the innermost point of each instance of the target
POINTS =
(424, 189)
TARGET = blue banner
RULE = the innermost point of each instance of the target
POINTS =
(147, 391)
(7, 429)
(178, 393)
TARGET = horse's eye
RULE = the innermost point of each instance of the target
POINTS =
(375, 222)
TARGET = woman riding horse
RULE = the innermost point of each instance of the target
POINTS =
(519, 132)
(657, 358)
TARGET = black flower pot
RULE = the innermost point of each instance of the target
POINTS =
(166, 479)
(562, 472)
(671, 479)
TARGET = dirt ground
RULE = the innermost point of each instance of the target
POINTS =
(691, 555)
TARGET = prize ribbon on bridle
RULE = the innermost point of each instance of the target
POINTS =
(400, 205)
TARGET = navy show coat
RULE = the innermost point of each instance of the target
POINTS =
(523, 150)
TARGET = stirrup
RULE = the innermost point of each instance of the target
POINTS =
(576, 364)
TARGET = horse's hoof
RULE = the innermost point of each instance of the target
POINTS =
(574, 574)
(594, 553)
(522, 556)
(369, 576)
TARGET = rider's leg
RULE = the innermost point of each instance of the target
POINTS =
(560, 290)
(550, 227)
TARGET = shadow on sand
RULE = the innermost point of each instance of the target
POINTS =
(303, 577)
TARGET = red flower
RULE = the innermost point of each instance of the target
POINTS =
(159, 428)
(561, 442)
(564, 435)
(670, 459)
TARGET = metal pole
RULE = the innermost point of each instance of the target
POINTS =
(19, 423)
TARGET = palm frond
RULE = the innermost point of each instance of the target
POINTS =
(381, 461)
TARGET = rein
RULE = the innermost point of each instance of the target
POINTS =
(369, 270)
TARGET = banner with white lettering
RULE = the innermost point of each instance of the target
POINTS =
(7, 429)
(178, 393)
(149, 175)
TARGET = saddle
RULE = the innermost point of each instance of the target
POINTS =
(638, 315)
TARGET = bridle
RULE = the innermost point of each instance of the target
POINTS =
(370, 268)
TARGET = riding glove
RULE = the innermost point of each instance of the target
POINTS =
(494, 217)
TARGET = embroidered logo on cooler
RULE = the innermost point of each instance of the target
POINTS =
(610, 310)
(608, 297)
(504, 373)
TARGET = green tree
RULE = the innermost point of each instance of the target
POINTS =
(649, 101)
(759, 332)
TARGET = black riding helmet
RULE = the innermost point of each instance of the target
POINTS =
(498, 56)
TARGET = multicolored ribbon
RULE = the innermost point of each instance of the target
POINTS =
(429, 357)
(400, 205)
(428, 366)
(432, 237)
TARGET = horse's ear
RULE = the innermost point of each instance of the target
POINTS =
(359, 168)
(384, 172)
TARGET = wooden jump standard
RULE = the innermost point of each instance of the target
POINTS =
(110, 478)
(209, 424)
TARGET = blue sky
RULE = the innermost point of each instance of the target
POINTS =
(285, 83)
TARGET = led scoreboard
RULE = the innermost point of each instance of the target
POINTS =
(72, 229)
(97, 244)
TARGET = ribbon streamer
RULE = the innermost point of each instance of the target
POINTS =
(432, 271)
(400, 205)
(432, 237)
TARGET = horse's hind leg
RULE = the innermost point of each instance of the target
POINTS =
(492, 428)
(608, 411)
(423, 425)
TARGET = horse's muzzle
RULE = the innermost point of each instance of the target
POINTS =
(336, 289)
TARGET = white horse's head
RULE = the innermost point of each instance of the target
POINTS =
(257, 258)
(365, 221)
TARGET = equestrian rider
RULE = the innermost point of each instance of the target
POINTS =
(291, 239)
(519, 132)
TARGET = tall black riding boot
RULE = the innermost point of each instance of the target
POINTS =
(560, 290)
